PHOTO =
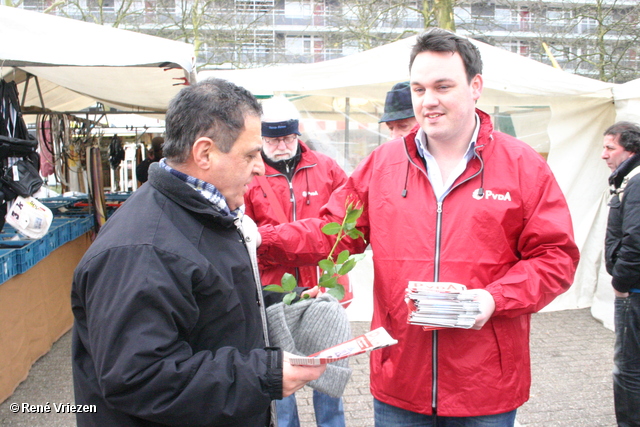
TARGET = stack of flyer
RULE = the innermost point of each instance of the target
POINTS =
(372, 340)
(438, 305)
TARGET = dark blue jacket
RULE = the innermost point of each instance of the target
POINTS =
(167, 325)
(622, 244)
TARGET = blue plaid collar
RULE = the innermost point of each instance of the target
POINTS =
(208, 191)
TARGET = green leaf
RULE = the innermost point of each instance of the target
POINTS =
(327, 265)
(337, 292)
(288, 282)
(344, 255)
(327, 281)
(274, 288)
(353, 216)
(347, 267)
(305, 296)
(355, 234)
(288, 298)
(331, 228)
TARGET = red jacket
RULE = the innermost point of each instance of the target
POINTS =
(315, 178)
(515, 241)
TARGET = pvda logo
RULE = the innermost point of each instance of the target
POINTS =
(490, 195)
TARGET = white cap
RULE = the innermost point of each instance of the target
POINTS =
(279, 109)
(29, 217)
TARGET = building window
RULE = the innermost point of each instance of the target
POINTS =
(298, 45)
(519, 47)
(305, 48)
(558, 16)
(254, 6)
(503, 16)
(105, 5)
(483, 10)
(37, 4)
(305, 8)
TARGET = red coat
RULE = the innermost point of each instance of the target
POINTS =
(315, 178)
(516, 241)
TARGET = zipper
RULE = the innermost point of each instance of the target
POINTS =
(436, 278)
(292, 199)
(261, 305)
(434, 341)
(436, 270)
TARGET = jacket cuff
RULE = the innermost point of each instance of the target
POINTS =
(496, 292)
(267, 234)
(619, 285)
(274, 372)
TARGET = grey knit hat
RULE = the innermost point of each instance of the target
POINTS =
(309, 326)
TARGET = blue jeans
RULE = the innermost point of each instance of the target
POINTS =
(391, 416)
(329, 411)
(626, 361)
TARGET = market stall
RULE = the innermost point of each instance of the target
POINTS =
(61, 67)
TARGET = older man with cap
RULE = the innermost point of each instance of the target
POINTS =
(398, 111)
(297, 183)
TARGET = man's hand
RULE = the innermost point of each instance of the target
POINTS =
(621, 294)
(312, 292)
(295, 377)
(487, 306)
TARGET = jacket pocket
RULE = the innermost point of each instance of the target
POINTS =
(510, 336)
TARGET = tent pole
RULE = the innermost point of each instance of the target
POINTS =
(39, 91)
(347, 112)
(26, 89)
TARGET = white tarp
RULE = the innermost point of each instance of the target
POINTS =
(568, 113)
(79, 63)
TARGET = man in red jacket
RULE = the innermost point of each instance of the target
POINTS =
(453, 201)
(296, 184)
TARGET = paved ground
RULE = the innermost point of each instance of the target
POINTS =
(571, 357)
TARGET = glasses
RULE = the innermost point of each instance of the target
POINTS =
(274, 142)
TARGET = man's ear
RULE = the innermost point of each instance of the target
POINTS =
(477, 84)
(204, 152)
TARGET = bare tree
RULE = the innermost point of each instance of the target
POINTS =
(101, 12)
(370, 23)
(595, 38)
(437, 13)
(609, 35)
(365, 24)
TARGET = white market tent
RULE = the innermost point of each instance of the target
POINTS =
(78, 63)
(69, 65)
(558, 113)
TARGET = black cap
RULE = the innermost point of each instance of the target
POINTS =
(398, 104)
(277, 129)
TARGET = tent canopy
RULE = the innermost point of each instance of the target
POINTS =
(78, 63)
(370, 74)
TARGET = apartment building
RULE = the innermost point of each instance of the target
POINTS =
(597, 38)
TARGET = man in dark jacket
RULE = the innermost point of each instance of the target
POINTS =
(169, 315)
(622, 251)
